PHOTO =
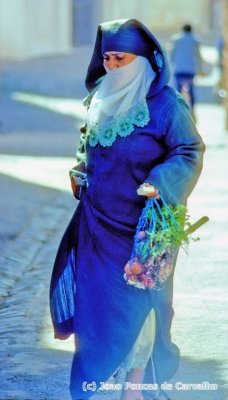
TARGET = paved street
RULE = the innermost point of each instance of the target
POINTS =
(38, 139)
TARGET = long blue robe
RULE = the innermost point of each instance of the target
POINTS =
(89, 296)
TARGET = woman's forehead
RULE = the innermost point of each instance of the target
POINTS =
(114, 52)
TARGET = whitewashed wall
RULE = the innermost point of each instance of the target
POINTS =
(38, 27)
(161, 15)
(34, 27)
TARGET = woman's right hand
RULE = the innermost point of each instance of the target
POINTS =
(74, 186)
(61, 336)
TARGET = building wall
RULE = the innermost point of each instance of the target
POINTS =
(31, 27)
(162, 15)
(86, 17)
(38, 27)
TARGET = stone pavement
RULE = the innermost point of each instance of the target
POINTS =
(29, 361)
(59, 75)
(200, 293)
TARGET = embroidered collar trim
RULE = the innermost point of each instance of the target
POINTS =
(122, 125)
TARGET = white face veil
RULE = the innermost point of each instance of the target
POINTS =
(120, 94)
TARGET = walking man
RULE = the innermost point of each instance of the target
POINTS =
(186, 62)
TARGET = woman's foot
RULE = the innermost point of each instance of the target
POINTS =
(134, 376)
(161, 395)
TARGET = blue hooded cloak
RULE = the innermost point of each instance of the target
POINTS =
(88, 294)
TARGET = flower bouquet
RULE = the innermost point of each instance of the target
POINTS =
(159, 233)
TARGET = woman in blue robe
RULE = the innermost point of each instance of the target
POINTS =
(139, 132)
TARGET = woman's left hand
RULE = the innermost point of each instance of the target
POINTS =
(149, 190)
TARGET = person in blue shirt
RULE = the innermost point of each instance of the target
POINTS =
(139, 134)
(186, 61)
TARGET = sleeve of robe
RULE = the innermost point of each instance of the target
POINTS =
(176, 176)
(80, 153)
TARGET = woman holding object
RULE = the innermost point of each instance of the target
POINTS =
(139, 136)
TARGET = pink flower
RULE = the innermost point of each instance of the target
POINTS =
(141, 235)
(148, 281)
